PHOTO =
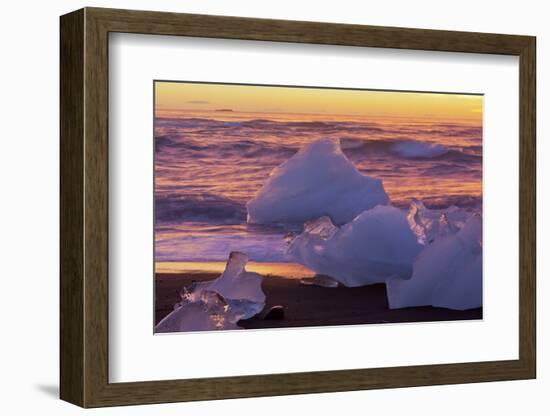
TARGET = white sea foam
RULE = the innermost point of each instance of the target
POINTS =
(413, 149)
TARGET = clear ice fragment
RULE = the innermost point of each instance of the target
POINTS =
(220, 303)
(428, 224)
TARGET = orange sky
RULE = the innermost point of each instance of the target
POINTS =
(249, 98)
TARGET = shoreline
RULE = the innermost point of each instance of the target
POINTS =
(312, 306)
(284, 270)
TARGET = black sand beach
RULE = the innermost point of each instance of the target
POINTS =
(312, 305)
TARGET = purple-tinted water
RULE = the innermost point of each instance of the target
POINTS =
(209, 164)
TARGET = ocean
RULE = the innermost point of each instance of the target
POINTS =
(209, 164)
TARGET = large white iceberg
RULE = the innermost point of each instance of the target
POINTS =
(377, 244)
(317, 181)
(447, 273)
(220, 303)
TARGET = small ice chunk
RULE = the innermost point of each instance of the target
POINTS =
(320, 280)
(377, 244)
(317, 181)
(220, 303)
(447, 273)
(428, 224)
(322, 227)
(236, 282)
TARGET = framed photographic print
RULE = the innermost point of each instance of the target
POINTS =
(257, 207)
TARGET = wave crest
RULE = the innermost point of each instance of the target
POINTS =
(418, 150)
(203, 207)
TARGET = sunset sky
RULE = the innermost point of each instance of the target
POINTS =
(247, 98)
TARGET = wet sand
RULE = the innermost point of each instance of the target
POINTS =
(312, 305)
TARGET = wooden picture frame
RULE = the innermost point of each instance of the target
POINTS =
(84, 207)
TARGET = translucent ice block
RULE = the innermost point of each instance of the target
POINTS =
(447, 273)
(220, 303)
(377, 244)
